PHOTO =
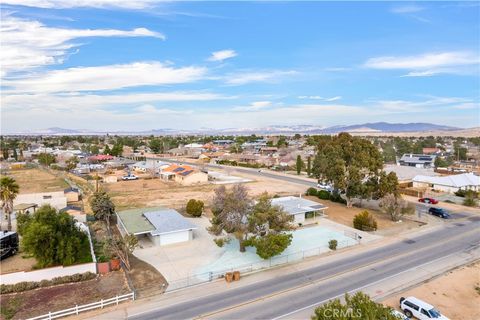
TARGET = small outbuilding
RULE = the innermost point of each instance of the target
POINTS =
(162, 226)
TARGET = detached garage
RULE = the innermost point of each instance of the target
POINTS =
(162, 226)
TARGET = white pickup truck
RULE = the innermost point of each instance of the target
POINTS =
(130, 177)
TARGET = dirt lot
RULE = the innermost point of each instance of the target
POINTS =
(146, 279)
(155, 192)
(340, 213)
(36, 180)
(17, 263)
(457, 293)
(40, 301)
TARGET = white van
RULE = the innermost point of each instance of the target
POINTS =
(413, 307)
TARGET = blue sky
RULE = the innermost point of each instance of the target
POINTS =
(143, 64)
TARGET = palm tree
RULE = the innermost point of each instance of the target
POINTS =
(8, 192)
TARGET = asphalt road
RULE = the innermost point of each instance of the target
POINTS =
(261, 173)
(311, 285)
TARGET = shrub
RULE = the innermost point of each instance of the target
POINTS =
(272, 244)
(336, 197)
(195, 207)
(470, 202)
(221, 241)
(311, 192)
(324, 195)
(365, 221)
(332, 244)
(25, 286)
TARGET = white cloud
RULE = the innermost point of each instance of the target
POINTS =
(428, 64)
(259, 76)
(408, 8)
(320, 98)
(311, 97)
(62, 4)
(429, 60)
(149, 109)
(28, 44)
(108, 77)
(254, 106)
(333, 98)
(222, 55)
(432, 103)
(27, 102)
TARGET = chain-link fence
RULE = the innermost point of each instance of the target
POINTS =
(210, 276)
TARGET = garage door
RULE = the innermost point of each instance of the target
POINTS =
(175, 237)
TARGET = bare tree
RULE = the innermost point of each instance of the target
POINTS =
(231, 209)
(122, 248)
(395, 206)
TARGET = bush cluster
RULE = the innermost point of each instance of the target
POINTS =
(325, 195)
(195, 207)
(241, 164)
(365, 221)
(332, 244)
(30, 285)
(221, 241)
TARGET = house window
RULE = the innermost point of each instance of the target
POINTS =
(47, 197)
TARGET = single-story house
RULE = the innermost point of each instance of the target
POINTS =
(150, 165)
(161, 226)
(300, 208)
(183, 174)
(72, 194)
(417, 160)
(76, 212)
(57, 199)
(451, 183)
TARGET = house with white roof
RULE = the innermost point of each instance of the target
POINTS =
(162, 226)
(418, 160)
(451, 184)
(300, 208)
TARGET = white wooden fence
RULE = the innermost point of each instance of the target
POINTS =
(77, 309)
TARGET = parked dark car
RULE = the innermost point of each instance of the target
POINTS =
(8, 244)
(439, 212)
(428, 200)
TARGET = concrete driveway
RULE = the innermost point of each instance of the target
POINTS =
(178, 261)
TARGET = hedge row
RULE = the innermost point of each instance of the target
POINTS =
(30, 285)
(325, 195)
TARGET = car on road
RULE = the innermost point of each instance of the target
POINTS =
(413, 307)
(439, 212)
(428, 200)
(130, 177)
(324, 186)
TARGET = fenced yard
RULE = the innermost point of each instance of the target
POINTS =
(86, 307)
(284, 259)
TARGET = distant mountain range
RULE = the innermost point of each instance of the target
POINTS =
(376, 127)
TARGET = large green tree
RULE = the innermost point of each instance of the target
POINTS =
(46, 159)
(299, 164)
(53, 238)
(102, 206)
(358, 306)
(347, 162)
(8, 191)
(261, 225)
